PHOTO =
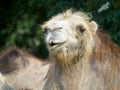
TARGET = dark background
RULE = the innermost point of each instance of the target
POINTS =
(20, 20)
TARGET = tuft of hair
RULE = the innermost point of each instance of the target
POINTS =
(71, 12)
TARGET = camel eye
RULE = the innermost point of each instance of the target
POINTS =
(58, 28)
(82, 29)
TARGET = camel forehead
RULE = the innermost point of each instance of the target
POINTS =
(61, 21)
(57, 24)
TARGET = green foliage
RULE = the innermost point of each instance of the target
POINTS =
(21, 19)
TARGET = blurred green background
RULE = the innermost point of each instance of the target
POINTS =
(20, 20)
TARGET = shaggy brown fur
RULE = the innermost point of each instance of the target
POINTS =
(90, 61)
(22, 70)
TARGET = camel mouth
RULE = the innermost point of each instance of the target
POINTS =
(52, 44)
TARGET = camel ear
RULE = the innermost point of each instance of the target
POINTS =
(94, 25)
